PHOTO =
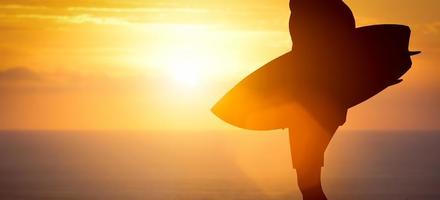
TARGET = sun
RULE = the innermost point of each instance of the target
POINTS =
(186, 73)
(186, 67)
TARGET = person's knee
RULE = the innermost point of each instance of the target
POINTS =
(304, 185)
(309, 176)
(307, 184)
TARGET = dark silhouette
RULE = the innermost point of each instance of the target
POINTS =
(332, 67)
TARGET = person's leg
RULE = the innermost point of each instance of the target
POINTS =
(308, 143)
(309, 182)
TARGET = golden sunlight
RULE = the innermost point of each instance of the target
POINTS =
(184, 70)
(175, 55)
(185, 66)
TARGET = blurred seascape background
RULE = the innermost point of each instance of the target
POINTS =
(161, 65)
(200, 165)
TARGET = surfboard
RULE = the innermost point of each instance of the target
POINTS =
(375, 58)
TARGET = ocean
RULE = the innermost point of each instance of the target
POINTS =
(236, 165)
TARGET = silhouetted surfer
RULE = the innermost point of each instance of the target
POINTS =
(332, 67)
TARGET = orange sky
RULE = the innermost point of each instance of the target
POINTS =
(143, 64)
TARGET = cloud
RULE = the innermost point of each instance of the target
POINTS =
(26, 80)
(77, 19)
(115, 13)
(136, 10)
(93, 15)
(19, 74)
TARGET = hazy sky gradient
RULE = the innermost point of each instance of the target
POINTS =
(143, 64)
